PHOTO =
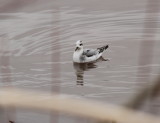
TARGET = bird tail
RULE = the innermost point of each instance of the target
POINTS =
(101, 49)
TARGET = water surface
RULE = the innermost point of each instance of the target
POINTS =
(39, 45)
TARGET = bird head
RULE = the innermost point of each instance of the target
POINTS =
(79, 45)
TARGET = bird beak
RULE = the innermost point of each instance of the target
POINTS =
(77, 48)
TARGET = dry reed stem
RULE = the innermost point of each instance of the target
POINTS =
(80, 107)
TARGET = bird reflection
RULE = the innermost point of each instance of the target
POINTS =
(81, 67)
(79, 70)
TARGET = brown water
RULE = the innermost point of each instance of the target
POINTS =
(38, 40)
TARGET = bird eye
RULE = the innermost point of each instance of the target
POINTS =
(80, 44)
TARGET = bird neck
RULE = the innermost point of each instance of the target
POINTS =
(81, 50)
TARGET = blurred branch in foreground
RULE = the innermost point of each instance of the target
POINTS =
(146, 55)
(92, 109)
(140, 98)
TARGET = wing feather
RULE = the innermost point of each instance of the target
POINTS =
(89, 52)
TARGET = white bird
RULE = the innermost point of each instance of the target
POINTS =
(81, 55)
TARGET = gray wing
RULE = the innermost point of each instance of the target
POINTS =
(89, 52)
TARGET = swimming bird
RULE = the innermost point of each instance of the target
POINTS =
(81, 55)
